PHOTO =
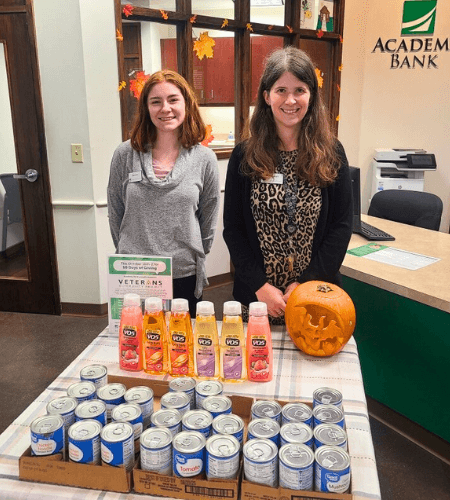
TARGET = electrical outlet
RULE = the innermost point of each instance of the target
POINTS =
(77, 153)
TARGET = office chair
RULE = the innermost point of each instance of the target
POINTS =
(12, 210)
(415, 208)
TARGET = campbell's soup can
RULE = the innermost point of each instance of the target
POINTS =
(222, 457)
(91, 409)
(264, 428)
(188, 453)
(143, 396)
(327, 396)
(332, 470)
(184, 384)
(98, 374)
(84, 442)
(296, 467)
(47, 435)
(82, 391)
(112, 395)
(206, 388)
(168, 418)
(266, 409)
(117, 444)
(261, 462)
(176, 401)
(296, 432)
(328, 414)
(197, 420)
(229, 423)
(217, 405)
(156, 450)
(297, 412)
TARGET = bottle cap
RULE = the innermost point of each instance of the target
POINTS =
(180, 305)
(257, 309)
(205, 307)
(131, 299)
(232, 308)
(153, 304)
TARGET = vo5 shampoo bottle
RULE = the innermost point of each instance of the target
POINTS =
(259, 344)
(130, 333)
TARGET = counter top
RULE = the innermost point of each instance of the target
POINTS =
(428, 285)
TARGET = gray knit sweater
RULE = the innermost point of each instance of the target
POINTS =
(173, 217)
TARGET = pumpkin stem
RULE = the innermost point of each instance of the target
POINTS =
(324, 288)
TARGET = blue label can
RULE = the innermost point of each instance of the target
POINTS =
(131, 413)
(65, 408)
(261, 462)
(327, 396)
(330, 435)
(217, 405)
(82, 391)
(188, 454)
(156, 450)
(296, 467)
(176, 401)
(197, 420)
(267, 409)
(206, 388)
(222, 457)
(91, 409)
(143, 396)
(298, 433)
(231, 424)
(84, 442)
(184, 384)
(112, 395)
(297, 412)
(264, 428)
(98, 374)
(332, 470)
(170, 419)
(117, 444)
(47, 435)
(328, 414)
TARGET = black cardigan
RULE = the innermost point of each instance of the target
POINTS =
(333, 231)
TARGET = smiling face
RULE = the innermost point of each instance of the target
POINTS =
(289, 99)
(167, 107)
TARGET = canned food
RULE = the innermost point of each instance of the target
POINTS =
(197, 420)
(170, 419)
(332, 469)
(91, 409)
(112, 395)
(47, 435)
(131, 413)
(217, 405)
(296, 432)
(296, 467)
(188, 453)
(184, 384)
(65, 407)
(330, 435)
(156, 450)
(143, 396)
(98, 374)
(231, 424)
(222, 457)
(266, 409)
(84, 442)
(176, 401)
(117, 444)
(328, 414)
(327, 396)
(297, 412)
(206, 388)
(261, 462)
(82, 391)
(264, 428)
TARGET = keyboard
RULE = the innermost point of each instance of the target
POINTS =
(373, 233)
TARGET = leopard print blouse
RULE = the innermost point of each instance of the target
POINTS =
(271, 217)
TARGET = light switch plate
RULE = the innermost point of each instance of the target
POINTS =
(77, 153)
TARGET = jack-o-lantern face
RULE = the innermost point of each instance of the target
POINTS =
(320, 318)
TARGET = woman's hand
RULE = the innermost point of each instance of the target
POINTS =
(289, 290)
(273, 298)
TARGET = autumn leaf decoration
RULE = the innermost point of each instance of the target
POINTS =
(203, 46)
(128, 10)
(340, 68)
(119, 36)
(224, 23)
(208, 135)
(164, 14)
(122, 85)
(249, 27)
(138, 83)
(319, 33)
(319, 77)
(193, 19)
(291, 30)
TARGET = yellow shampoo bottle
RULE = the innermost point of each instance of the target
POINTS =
(154, 337)
(206, 342)
(180, 341)
(232, 344)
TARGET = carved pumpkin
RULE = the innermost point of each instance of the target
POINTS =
(320, 318)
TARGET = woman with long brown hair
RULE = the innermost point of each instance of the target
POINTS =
(288, 205)
(163, 191)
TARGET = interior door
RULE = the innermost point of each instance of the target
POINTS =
(28, 273)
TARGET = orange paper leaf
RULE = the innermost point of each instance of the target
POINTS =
(341, 67)
(319, 77)
(249, 27)
(128, 10)
(290, 29)
(138, 83)
(341, 39)
(122, 85)
(270, 27)
(204, 46)
(164, 14)
(338, 87)
(320, 34)
(208, 136)
(193, 19)
(338, 117)
(224, 23)
(119, 36)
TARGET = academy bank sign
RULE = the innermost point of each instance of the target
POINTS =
(419, 18)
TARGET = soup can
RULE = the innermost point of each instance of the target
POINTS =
(297, 412)
(184, 384)
(170, 419)
(156, 450)
(117, 444)
(261, 462)
(328, 414)
(82, 391)
(206, 388)
(222, 457)
(91, 409)
(131, 413)
(176, 401)
(98, 374)
(231, 424)
(296, 467)
(112, 395)
(143, 396)
(330, 435)
(197, 420)
(64, 407)
(332, 470)
(298, 433)
(188, 453)
(47, 435)
(266, 409)
(217, 405)
(264, 428)
(84, 442)
(327, 396)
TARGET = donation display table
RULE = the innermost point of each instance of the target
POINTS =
(296, 376)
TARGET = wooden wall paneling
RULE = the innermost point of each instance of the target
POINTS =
(121, 70)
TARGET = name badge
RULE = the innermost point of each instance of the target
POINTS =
(276, 179)
(135, 176)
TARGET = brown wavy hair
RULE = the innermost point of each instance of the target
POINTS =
(192, 130)
(317, 160)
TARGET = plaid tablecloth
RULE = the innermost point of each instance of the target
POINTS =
(296, 376)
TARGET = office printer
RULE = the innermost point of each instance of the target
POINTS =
(400, 169)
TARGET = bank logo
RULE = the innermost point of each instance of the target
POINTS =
(419, 17)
